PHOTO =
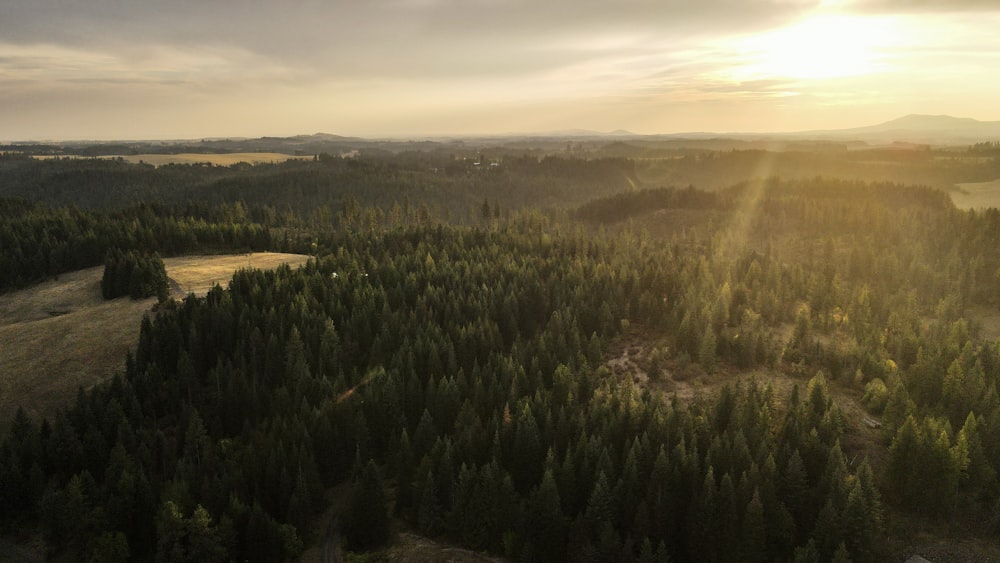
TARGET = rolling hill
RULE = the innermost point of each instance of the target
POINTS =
(61, 334)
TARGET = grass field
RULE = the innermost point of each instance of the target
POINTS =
(197, 274)
(217, 159)
(61, 334)
(978, 195)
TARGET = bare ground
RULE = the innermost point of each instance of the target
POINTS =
(629, 357)
(412, 548)
(61, 335)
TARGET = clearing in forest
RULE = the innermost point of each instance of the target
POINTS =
(978, 195)
(60, 335)
(630, 356)
(216, 159)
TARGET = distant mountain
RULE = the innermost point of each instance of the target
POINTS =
(322, 137)
(557, 134)
(908, 130)
(917, 122)
(929, 129)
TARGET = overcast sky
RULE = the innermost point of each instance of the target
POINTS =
(106, 69)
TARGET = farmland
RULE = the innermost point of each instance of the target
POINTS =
(977, 195)
(215, 159)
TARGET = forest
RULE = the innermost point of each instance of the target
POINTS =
(449, 352)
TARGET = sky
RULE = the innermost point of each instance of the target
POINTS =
(184, 69)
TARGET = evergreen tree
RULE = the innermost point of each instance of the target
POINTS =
(367, 524)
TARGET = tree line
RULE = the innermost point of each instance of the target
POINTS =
(134, 274)
(39, 241)
(457, 374)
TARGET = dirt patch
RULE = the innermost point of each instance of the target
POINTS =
(327, 547)
(412, 548)
(940, 541)
(629, 356)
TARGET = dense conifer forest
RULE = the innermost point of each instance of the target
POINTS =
(135, 275)
(447, 351)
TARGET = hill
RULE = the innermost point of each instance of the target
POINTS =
(914, 128)
(61, 334)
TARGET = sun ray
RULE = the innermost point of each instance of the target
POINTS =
(347, 394)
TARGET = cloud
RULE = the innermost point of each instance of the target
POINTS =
(386, 36)
(351, 66)
(921, 6)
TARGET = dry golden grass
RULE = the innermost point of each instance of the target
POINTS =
(197, 274)
(220, 159)
(61, 334)
(977, 195)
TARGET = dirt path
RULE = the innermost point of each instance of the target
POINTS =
(412, 547)
(331, 542)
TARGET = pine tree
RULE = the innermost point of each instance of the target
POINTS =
(367, 524)
(753, 531)
(545, 525)
(429, 510)
(841, 555)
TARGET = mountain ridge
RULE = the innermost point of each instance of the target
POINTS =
(911, 128)
(916, 127)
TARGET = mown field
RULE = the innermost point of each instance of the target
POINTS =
(977, 195)
(217, 159)
(61, 334)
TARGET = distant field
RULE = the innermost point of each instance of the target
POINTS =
(197, 274)
(221, 159)
(61, 334)
(977, 195)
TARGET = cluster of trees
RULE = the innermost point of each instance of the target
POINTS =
(621, 206)
(451, 189)
(465, 364)
(134, 274)
(986, 147)
(719, 169)
(456, 374)
(37, 241)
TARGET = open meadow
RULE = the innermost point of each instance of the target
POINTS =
(977, 195)
(216, 159)
(61, 334)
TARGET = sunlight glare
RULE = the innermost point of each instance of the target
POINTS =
(821, 47)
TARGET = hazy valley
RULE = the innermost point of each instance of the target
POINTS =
(534, 347)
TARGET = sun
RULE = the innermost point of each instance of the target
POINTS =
(820, 47)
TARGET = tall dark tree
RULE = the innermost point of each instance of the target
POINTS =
(367, 523)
